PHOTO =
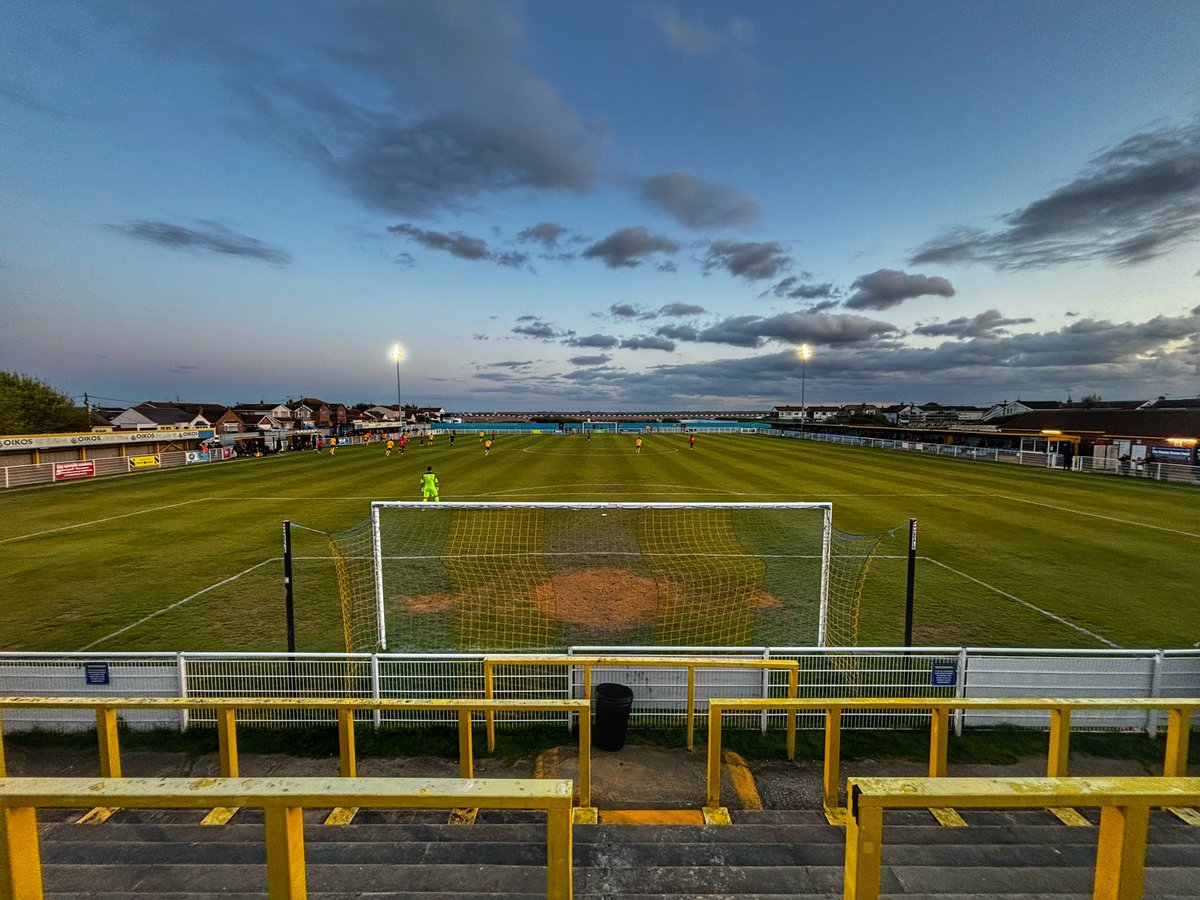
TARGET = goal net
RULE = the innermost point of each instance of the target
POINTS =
(504, 576)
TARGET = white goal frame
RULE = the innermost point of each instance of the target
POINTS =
(433, 508)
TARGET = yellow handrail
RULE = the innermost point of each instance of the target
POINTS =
(1124, 818)
(690, 663)
(1178, 711)
(226, 709)
(283, 800)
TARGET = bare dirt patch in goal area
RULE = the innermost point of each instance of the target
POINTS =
(616, 598)
(608, 597)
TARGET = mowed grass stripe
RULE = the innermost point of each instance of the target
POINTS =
(1086, 548)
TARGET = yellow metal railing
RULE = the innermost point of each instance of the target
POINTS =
(1179, 712)
(1124, 804)
(283, 801)
(226, 714)
(691, 664)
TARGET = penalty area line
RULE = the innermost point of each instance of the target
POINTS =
(178, 603)
(1025, 603)
(140, 512)
(1080, 512)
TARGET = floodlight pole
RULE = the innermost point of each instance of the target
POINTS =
(804, 353)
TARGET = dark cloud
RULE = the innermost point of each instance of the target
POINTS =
(598, 341)
(679, 332)
(454, 113)
(545, 233)
(461, 245)
(801, 288)
(986, 324)
(795, 328)
(629, 247)
(624, 311)
(681, 309)
(456, 243)
(648, 342)
(513, 259)
(209, 237)
(510, 364)
(536, 329)
(1131, 203)
(886, 288)
(589, 360)
(527, 318)
(749, 260)
(696, 203)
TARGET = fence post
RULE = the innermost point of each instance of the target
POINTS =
(1155, 691)
(961, 691)
(181, 669)
(376, 713)
(766, 689)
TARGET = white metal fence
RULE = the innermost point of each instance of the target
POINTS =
(1155, 471)
(659, 693)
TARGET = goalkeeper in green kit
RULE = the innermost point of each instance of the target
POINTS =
(429, 486)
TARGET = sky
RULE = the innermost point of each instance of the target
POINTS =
(601, 205)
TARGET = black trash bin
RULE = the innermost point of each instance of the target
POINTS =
(613, 702)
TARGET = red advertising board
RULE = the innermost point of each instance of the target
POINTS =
(74, 470)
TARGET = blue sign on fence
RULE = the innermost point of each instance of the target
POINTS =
(944, 674)
(95, 673)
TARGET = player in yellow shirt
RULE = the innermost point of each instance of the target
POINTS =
(637, 446)
(487, 448)
(429, 486)
(390, 446)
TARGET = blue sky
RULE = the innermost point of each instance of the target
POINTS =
(601, 205)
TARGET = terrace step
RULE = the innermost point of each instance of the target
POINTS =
(1025, 854)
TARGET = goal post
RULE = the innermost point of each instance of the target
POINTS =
(473, 576)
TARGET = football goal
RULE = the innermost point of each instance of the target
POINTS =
(505, 576)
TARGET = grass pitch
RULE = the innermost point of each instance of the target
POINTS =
(189, 559)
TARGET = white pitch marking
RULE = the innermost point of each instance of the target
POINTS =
(22, 537)
(1080, 512)
(1025, 603)
(159, 612)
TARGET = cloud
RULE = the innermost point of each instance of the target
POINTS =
(455, 243)
(986, 324)
(536, 328)
(801, 288)
(1131, 203)
(648, 342)
(460, 245)
(624, 311)
(694, 38)
(679, 332)
(589, 360)
(510, 364)
(696, 203)
(414, 109)
(794, 328)
(630, 247)
(681, 309)
(598, 341)
(210, 237)
(749, 260)
(886, 288)
(545, 233)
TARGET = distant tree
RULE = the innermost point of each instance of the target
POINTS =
(29, 406)
(1090, 400)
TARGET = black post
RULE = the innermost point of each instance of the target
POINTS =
(912, 575)
(287, 587)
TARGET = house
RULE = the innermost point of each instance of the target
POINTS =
(1018, 408)
(222, 419)
(787, 412)
(309, 412)
(158, 417)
